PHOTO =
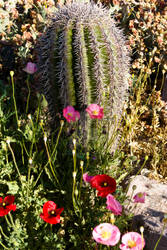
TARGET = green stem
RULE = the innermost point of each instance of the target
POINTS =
(57, 141)
(163, 79)
(30, 157)
(3, 233)
(51, 228)
(11, 219)
(39, 108)
(8, 222)
(58, 137)
(29, 91)
(146, 158)
(76, 208)
(14, 160)
(22, 153)
(81, 180)
(74, 179)
(25, 148)
(28, 184)
(14, 100)
(6, 154)
(159, 237)
(40, 174)
(87, 160)
(49, 158)
(130, 198)
(3, 245)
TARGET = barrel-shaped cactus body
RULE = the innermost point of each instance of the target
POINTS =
(83, 59)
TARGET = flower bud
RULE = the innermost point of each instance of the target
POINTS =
(74, 152)
(8, 141)
(112, 219)
(30, 161)
(134, 187)
(146, 157)
(74, 174)
(74, 142)
(76, 192)
(61, 123)
(141, 229)
(29, 116)
(11, 73)
(81, 164)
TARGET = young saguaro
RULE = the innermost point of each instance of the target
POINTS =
(83, 59)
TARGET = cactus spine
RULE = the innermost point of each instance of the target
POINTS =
(82, 60)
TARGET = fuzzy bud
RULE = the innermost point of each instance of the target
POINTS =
(11, 73)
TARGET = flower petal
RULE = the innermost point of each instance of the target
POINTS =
(48, 206)
(9, 199)
(51, 219)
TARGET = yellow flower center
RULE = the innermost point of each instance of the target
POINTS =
(69, 114)
(3, 204)
(140, 195)
(95, 112)
(52, 212)
(105, 234)
(131, 243)
(105, 184)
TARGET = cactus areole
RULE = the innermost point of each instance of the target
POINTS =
(83, 59)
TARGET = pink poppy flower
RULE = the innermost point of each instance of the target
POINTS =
(106, 234)
(113, 205)
(30, 68)
(132, 241)
(139, 197)
(95, 111)
(71, 114)
(86, 177)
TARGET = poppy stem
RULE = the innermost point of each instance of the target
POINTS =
(11, 219)
(2, 232)
(74, 190)
(81, 180)
(14, 100)
(130, 199)
(49, 158)
(51, 228)
(8, 222)
(14, 160)
(159, 237)
(28, 97)
(54, 150)
(3, 245)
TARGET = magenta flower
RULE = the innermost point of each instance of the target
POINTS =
(106, 234)
(86, 177)
(139, 197)
(132, 241)
(113, 205)
(95, 111)
(30, 68)
(71, 114)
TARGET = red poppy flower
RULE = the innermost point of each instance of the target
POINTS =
(50, 213)
(6, 205)
(104, 184)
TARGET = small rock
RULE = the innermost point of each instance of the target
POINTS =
(145, 172)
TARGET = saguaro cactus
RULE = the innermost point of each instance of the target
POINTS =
(83, 59)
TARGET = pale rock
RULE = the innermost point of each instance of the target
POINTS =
(151, 213)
